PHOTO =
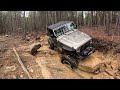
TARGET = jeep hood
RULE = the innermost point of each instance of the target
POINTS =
(74, 39)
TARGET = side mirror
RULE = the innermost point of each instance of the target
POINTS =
(51, 35)
(75, 26)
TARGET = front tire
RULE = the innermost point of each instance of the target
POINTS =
(50, 44)
(69, 61)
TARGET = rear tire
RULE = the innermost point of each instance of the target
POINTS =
(50, 44)
(69, 61)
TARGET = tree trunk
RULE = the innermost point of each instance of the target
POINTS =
(82, 19)
(24, 25)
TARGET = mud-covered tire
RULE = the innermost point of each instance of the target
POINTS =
(71, 62)
(50, 44)
(60, 50)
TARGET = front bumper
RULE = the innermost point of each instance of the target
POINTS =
(88, 51)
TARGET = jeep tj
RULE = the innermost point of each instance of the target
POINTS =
(72, 44)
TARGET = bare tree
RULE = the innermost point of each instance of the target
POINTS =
(24, 24)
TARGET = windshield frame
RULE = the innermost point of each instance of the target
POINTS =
(67, 28)
(55, 29)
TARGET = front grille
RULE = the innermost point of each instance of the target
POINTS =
(85, 46)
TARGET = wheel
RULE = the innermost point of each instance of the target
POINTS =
(68, 64)
(50, 44)
(69, 61)
(60, 50)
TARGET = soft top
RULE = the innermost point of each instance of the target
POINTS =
(58, 24)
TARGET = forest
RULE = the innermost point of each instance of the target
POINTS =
(16, 21)
(21, 29)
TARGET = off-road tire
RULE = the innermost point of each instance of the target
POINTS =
(50, 44)
(60, 50)
(65, 59)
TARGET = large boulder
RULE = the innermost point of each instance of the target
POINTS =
(90, 64)
(34, 47)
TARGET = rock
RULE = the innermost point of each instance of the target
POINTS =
(102, 75)
(114, 65)
(41, 40)
(14, 77)
(52, 52)
(6, 35)
(97, 71)
(37, 37)
(102, 68)
(111, 64)
(110, 72)
(27, 38)
(117, 73)
(3, 49)
(34, 47)
(119, 68)
(1, 65)
(31, 70)
(116, 77)
(44, 69)
(107, 66)
(22, 72)
(90, 64)
(21, 76)
(11, 68)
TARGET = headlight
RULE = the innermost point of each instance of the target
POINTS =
(78, 50)
(91, 42)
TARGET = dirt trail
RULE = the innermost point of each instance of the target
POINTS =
(50, 64)
(46, 64)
